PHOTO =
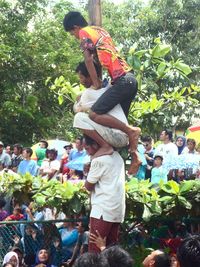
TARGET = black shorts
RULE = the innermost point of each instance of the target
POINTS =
(122, 92)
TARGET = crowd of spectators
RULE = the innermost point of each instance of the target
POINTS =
(66, 244)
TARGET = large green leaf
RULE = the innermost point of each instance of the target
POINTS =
(161, 50)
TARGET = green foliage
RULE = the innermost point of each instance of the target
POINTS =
(143, 200)
(34, 48)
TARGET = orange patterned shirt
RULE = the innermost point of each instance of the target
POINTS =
(97, 40)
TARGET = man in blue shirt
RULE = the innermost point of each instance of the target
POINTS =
(27, 165)
(79, 151)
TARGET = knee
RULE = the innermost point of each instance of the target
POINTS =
(92, 115)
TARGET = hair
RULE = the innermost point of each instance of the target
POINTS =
(146, 138)
(158, 156)
(73, 18)
(18, 210)
(169, 133)
(188, 253)
(79, 174)
(83, 69)
(80, 138)
(91, 260)
(89, 141)
(28, 150)
(118, 257)
(44, 142)
(191, 141)
(52, 151)
(162, 260)
(8, 264)
(2, 202)
(19, 147)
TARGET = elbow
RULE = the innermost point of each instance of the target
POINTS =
(88, 186)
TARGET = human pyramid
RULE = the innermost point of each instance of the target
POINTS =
(101, 113)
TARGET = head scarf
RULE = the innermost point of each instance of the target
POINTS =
(180, 148)
(37, 261)
(9, 255)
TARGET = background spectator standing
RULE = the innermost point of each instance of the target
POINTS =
(78, 151)
(181, 144)
(5, 159)
(8, 150)
(191, 144)
(167, 150)
(16, 157)
(41, 152)
(27, 165)
(158, 172)
(149, 152)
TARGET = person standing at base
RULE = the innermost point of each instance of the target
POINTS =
(106, 182)
(98, 46)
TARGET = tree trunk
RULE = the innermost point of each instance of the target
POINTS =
(94, 9)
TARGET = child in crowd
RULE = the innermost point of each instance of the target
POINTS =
(158, 172)
(16, 216)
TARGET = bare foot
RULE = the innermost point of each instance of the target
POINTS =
(104, 150)
(135, 163)
(133, 135)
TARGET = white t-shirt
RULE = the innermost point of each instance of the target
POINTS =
(50, 165)
(90, 96)
(108, 198)
(168, 151)
(114, 137)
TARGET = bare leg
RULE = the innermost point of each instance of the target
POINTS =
(112, 122)
(132, 132)
(135, 163)
(105, 148)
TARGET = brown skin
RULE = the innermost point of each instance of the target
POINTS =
(191, 147)
(149, 261)
(52, 172)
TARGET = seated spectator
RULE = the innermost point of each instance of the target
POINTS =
(117, 257)
(12, 258)
(158, 172)
(157, 258)
(16, 157)
(42, 259)
(5, 159)
(16, 216)
(191, 144)
(41, 152)
(81, 244)
(27, 165)
(91, 260)
(3, 213)
(69, 237)
(181, 144)
(188, 253)
(50, 166)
